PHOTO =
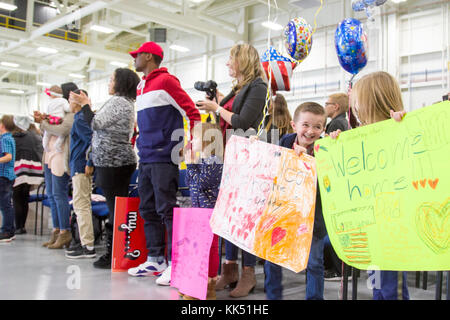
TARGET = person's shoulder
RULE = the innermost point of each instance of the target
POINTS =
(288, 140)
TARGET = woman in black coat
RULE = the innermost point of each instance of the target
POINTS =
(241, 109)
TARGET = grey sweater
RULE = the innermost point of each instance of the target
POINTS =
(112, 128)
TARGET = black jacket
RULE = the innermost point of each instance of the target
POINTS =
(248, 105)
(339, 122)
(319, 230)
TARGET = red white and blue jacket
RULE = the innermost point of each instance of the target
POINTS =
(161, 106)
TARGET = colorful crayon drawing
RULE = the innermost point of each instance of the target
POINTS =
(191, 244)
(388, 205)
(266, 202)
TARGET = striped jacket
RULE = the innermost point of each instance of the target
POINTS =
(161, 106)
(28, 164)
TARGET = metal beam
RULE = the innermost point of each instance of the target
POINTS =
(177, 21)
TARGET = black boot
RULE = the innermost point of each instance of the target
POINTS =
(104, 262)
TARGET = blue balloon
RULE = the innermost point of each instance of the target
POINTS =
(351, 45)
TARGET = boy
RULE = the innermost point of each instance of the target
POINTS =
(336, 108)
(162, 104)
(7, 177)
(308, 124)
(81, 171)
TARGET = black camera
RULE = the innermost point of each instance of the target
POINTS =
(210, 87)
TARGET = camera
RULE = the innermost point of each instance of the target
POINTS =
(209, 87)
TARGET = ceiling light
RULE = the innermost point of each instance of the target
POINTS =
(17, 91)
(43, 84)
(10, 64)
(7, 6)
(76, 75)
(47, 50)
(398, 1)
(98, 28)
(118, 64)
(272, 25)
(179, 48)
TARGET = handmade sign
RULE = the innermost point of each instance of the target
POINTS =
(385, 192)
(129, 249)
(191, 244)
(266, 202)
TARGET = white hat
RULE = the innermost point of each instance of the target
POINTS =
(22, 122)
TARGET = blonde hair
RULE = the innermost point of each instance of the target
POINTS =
(249, 66)
(340, 99)
(211, 136)
(374, 95)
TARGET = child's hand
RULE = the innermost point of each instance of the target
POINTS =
(299, 149)
(397, 116)
(253, 139)
(335, 134)
(88, 171)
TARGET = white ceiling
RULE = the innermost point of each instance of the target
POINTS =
(130, 21)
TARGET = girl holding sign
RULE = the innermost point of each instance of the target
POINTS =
(203, 178)
(377, 97)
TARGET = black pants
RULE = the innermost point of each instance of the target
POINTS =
(114, 182)
(21, 194)
(158, 185)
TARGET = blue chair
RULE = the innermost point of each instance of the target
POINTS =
(182, 187)
(133, 187)
(40, 196)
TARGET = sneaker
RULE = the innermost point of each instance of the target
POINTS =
(148, 268)
(104, 262)
(81, 253)
(7, 237)
(74, 246)
(21, 231)
(331, 276)
(164, 278)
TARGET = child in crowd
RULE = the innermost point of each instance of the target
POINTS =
(7, 177)
(308, 124)
(377, 97)
(81, 171)
(203, 178)
(56, 109)
(336, 108)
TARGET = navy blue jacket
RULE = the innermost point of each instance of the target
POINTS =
(80, 141)
(203, 180)
(319, 230)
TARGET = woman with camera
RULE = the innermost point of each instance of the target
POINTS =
(242, 109)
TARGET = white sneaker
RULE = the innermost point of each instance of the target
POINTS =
(164, 278)
(148, 269)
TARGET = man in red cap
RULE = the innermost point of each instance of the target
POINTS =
(161, 104)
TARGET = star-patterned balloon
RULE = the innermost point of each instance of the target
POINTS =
(298, 38)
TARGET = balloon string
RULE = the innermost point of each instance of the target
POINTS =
(350, 87)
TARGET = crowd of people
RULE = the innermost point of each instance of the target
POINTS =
(75, 144)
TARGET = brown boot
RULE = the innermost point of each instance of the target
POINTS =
(62, 241)
(229, 276)
(211, 293)
(246, 283)
(53, 238)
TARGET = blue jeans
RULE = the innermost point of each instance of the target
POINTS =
(6, 207)
(388, 285)
(157, 186)
(231, 254)
(314, 275)
(57, 189)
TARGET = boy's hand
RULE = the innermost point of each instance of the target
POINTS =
(397, 116)
(88, 171)
(253, 139)
(299, 149)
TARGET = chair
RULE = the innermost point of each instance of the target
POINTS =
(133, 187)
(182, 187)
(40, 196)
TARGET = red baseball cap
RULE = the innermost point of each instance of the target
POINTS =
(149, 47)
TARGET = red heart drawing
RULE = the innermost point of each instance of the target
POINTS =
(433, 183)
(277, 235)
(416, 184)
(423, 183)
(316, 147)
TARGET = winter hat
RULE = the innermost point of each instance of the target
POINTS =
(22, 122)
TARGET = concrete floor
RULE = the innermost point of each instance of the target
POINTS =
(29, 271)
